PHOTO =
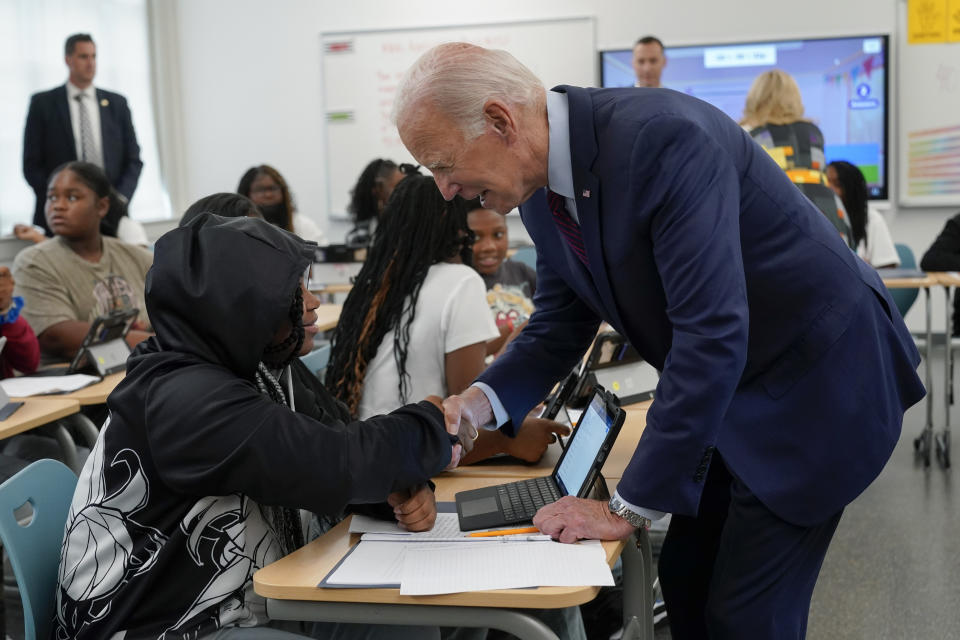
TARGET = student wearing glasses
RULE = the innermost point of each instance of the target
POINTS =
(269, 191)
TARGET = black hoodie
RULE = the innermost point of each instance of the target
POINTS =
(166, 526)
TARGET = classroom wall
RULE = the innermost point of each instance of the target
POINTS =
(251, 86)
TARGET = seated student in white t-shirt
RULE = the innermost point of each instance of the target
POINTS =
(871, 237)
(417, 322)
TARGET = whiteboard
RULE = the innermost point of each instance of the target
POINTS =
(929, 123)
(361, 70)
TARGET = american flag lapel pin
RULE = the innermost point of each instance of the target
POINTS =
(586, 193)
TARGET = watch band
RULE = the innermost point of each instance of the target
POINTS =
(618, 508)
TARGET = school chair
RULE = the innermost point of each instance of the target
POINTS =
(904, 298)
(34, 548)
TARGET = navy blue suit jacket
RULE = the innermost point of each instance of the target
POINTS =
(48, 142)
(777, 346)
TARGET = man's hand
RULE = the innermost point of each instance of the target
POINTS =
(570, 519)
(415, 509)
(457, 451)
(6, 288)
(471, 405)
(534, 436)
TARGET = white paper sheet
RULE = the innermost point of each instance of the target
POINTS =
(373, 563)
(433, 569)
(38, 385)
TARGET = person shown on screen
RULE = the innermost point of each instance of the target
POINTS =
(80, 274)
(269, 191)
(773, 115)
(196, 479)
(510, 284)
(648, 61)
(77, 121)
(654, 211)
(871, 236)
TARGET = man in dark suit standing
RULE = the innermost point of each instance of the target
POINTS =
(77, 121)
(785, 366)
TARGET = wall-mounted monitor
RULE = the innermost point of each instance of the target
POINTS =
(843, 82)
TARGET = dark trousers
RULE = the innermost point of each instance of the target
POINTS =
(737, 570)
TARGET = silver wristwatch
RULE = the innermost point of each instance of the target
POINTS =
(617, 508)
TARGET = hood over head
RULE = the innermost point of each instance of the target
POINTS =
(219, 288)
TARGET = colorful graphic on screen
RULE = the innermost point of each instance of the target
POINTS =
(843, 82)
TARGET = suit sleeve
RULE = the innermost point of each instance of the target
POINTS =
(33, 146)
(693, 193)
(132, 165)
(559, 332)
(944, 253)
(237, 440)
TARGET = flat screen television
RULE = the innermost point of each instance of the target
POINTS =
(843, 81)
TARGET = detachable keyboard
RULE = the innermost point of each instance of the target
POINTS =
(521, 500)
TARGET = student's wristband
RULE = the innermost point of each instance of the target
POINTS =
(13, 313)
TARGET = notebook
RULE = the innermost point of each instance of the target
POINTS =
(574, 473)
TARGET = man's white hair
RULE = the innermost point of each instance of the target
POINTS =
(459, 78)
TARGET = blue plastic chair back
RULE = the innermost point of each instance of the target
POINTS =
(317, 360)
(34, 549)
(526, 255)
(904, 298)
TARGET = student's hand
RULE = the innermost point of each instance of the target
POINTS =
(6, 288)
(570, 519)
(415, 509)
(534, 436)
(28, 232)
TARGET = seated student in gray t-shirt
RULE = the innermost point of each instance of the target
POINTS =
(510, 284)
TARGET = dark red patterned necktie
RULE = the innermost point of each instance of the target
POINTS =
(567, 226)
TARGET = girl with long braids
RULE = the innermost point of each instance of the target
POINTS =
(417, 322)
(871, 237)
(214, 442)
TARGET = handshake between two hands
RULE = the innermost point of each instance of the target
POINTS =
(460, 420)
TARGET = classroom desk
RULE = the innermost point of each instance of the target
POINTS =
(37, 411)
(46, 411)
(924, 442)
(96, 393)
(328, 315)
(290, 587)
(948, 281)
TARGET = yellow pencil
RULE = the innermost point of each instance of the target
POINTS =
(502, 532)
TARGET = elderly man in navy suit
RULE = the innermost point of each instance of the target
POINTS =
(76, 121)
(785, 366)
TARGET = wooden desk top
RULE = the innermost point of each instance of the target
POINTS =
(911, 283)
(96, 393)
(296, 576)
(343, 287)
(36, 411)
(328, 315)
(947, 278)
(633, 425)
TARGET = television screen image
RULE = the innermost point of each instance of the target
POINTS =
(843, 82)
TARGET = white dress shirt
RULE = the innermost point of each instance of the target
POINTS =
(560, 181)
(93, 109)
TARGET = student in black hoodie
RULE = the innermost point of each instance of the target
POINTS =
(196, 478)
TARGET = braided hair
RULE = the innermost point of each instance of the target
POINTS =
(417, 230)
(285, 521)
